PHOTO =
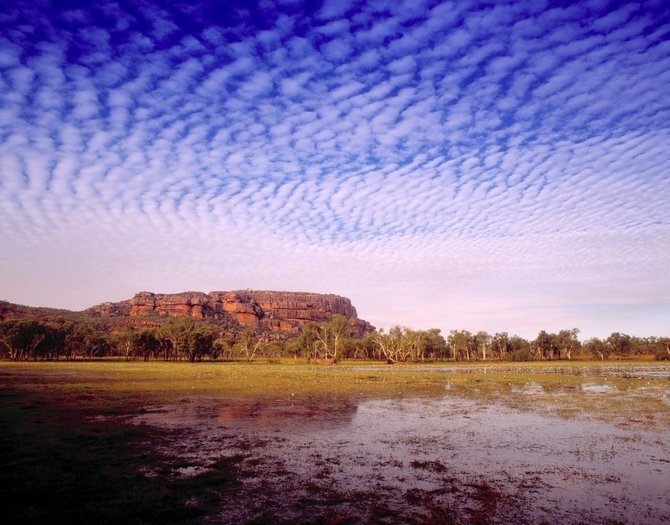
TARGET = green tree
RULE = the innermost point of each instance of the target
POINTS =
(86, 341)
(567, 342)
(546, 346)
(187, 338)
(125, 340)
(620, 344)
(306, 344)
(147, 343)
(519, 349)
(392, 345)
(198, 341)
(434, 345)
(461, 343)
(500, 344)
(332, 335)
(249, 344)
(661, 348)
(483, 342)
(597, 348)
(20, 339)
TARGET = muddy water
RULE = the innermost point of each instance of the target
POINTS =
(450, 457)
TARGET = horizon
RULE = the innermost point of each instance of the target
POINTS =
(442, 165)
(445, 333)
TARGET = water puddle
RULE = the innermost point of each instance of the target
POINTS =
(438, 458)
(597, 389)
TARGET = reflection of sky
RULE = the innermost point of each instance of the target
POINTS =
(351, 446)
(499, 167)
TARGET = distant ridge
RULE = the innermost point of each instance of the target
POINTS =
(262, 310)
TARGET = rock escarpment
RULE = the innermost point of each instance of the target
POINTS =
(284, 312)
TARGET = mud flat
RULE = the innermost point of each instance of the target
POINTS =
(494, 444)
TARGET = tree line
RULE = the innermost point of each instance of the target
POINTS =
(188, 339)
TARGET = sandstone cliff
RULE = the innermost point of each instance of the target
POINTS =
(284, 312)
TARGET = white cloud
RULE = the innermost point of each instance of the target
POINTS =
(439, 176)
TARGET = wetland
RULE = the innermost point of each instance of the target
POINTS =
(351, 443)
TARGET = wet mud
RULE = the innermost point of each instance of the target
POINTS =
(490, 447)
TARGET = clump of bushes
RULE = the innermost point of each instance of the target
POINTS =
(519, 355)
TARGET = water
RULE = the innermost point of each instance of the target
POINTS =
(458, 456)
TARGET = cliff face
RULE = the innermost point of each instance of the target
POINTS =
(275, 311)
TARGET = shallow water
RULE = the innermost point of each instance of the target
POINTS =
(459, 456)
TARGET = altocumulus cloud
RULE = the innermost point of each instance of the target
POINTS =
(473, 165)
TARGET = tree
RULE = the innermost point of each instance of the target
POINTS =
(482, 342)
(620, 344)
(147, 344)
(519, 349)
(364, 348)
(433, 344)
(126, 340)
(661, 348)
(249, 344)
(567, 342)
(305, 345)
(546, 346)
(413, 341)
(501, 344)
(186, 338)
(461, 343)
(20, 339)
(197, 342)
(86, 341)
(390, 345)
(223, 346)
(331, 336)
(597, 348)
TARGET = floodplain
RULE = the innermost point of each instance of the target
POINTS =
(581, 442)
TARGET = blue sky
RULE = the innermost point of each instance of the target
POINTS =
(478, 165)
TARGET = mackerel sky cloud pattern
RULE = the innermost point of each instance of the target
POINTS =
(499, 166)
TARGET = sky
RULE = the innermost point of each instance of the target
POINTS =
(500, 166)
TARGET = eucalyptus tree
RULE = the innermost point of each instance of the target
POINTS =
(597, 348)
(186, 338)
(620, 344)
(483, 341)
(546, 346)
(461, 343)
(249, 344)
(433, 344)
(500, 343)
(306, 344)
(567, 342)
(391, 345)
(20, 339)
(86, 340)
(332, 335)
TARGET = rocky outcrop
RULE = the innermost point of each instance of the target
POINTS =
(170, 305)
(284, 312)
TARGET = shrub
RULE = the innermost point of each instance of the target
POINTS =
(519, 355)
